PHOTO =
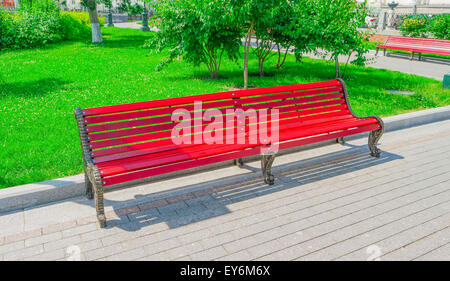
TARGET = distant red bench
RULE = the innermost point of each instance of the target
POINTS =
(122, 143)
(416, 45)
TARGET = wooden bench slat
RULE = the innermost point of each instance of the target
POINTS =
(149, 148)
(210, 105)
(158, 135)
(168, 118)
(169, 126)
(305, 121)
(417, 45)
(206, 97)
(208, 150)
(337, 109)
(229, 156)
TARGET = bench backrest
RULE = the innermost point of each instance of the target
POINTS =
(128, 130)
(418, 43)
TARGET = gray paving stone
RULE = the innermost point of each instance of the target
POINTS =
(79, 230)
(210, 254)
(184, 250)
(61, 243)
(128, 255)
(43, 239)
(162, 246)
(24, 253)
(103, 252)
(12, 247)
(440, 254)
(419, 247)
(48, 256)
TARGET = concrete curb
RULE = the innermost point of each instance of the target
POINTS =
(29, 195)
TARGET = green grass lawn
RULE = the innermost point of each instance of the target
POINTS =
(40, 88)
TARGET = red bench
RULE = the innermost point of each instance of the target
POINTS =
(416, 45)
(128, 142)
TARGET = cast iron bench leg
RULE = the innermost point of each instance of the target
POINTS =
(96, 181)
(340, 140)
(239, 162)
(376, 54)
(89, 188)
(99, 206)
(374, 137)
(412, 56)
(266, 166)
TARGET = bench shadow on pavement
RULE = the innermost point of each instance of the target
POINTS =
(296, 174)
(435, 60)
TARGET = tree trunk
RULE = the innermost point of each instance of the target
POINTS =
(284, 59)
(261, 69)
(248, 38)
(95, 24)
(345, 69)
(279, 56)
(338, 68)
(246, 51)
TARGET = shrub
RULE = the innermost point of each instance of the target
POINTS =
(198, 30)
(440, 26)
(29, 29)
(130, 9)
(39, 5)
(33, 28)
(74, 26)
(415, 26)
(83, 17)
(6, 25)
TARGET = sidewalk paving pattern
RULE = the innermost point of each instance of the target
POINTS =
(330, 203)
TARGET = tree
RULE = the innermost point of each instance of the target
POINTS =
(337, 30)
(91, 6)
(264, 14)
(275, 24)
(198, 30)
(242, 17)
(130, 9)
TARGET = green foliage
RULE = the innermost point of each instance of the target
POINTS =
(200, 31)
(83, 17)
(297, 26)
(440, 26)
(39, 5)
(415, 26)
(130, 9)
(264, 15)
(33, 28)
(30, 29)
(75, 25)
(424, 26)
(336, 29)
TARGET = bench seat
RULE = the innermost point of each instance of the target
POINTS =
(417, 45)
(124, 143)
(177, 153)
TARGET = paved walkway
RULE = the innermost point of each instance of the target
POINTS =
(329, 203)
(430, 67)
(131, 24)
